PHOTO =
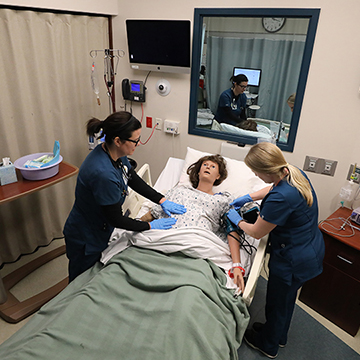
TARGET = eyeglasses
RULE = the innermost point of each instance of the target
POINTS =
(134, 141)
(242, 86)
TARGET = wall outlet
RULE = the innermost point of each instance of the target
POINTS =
(172, 127)
(311, 164)
(149, 121)
(329, 167)
(320, 166)
(158, 124)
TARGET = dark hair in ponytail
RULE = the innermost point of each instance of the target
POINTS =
(238, 79)
(119, 124)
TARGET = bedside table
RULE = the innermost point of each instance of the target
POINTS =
(335, 294)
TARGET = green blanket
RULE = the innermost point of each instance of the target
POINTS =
(142, 305)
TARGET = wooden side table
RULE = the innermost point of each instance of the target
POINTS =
(12, 310)
(335, 294)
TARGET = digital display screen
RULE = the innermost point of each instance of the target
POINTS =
(253, 75)
(159, 42)
(135, 87)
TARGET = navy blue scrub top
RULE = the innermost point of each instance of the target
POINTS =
(229, 100)
(99, 183)
(297, 245)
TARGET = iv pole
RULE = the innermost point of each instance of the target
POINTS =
(109, 71)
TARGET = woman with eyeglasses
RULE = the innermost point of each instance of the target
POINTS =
(232, 102)
(101, 189)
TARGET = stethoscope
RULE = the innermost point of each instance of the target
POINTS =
(124, 170)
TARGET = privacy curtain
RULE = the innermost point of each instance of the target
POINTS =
(45, 95)
(280, 62)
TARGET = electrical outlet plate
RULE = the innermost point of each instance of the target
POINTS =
(320, 166)
(149, 121)
(311, 163)
(158, 124)
(329, 167)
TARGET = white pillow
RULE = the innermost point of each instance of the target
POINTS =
(235, 130)
(240, 180)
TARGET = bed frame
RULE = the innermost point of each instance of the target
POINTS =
(133, 204)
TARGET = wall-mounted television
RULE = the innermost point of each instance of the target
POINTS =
(254, 75)
(159, 45)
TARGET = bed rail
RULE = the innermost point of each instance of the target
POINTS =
(134, 201)
(256, 267)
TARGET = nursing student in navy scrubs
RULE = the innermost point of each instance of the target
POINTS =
(289, 214)
(101, 189)
(232, 102)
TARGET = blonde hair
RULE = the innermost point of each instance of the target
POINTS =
(291, 98)
(267, 158)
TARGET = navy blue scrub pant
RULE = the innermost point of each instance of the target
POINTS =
(78, 260)
(279, 308)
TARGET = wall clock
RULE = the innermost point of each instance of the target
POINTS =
(273, 24)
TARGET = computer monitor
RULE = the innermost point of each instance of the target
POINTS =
(254, 75)
(159, 45)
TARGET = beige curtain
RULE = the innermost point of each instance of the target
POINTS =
(46, 95)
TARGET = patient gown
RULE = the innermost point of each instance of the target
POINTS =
(203, 210)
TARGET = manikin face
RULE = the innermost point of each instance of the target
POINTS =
(209, 171)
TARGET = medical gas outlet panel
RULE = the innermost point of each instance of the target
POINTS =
(172, 127)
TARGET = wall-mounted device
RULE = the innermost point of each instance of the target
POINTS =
(133, 90)
(172, 127)
(159, 45)
(163, 87)
(254, 75)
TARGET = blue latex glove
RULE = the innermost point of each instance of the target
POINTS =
(171, 207)
(239, 202)
(234, 217)
(162, 224)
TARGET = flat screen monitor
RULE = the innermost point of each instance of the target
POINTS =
(254, 75)
(159, 45)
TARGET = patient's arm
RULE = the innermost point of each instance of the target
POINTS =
(234, 246)
(147, 217)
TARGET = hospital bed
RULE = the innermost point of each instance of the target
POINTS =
(145, 304)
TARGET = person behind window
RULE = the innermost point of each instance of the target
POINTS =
(232, 102)
(291, 101)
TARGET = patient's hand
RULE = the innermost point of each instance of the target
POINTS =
(238, 279)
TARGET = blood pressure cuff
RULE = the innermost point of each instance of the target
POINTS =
(228, 225)
(249, 212)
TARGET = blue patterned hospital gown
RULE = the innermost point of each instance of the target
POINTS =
(203, 210)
